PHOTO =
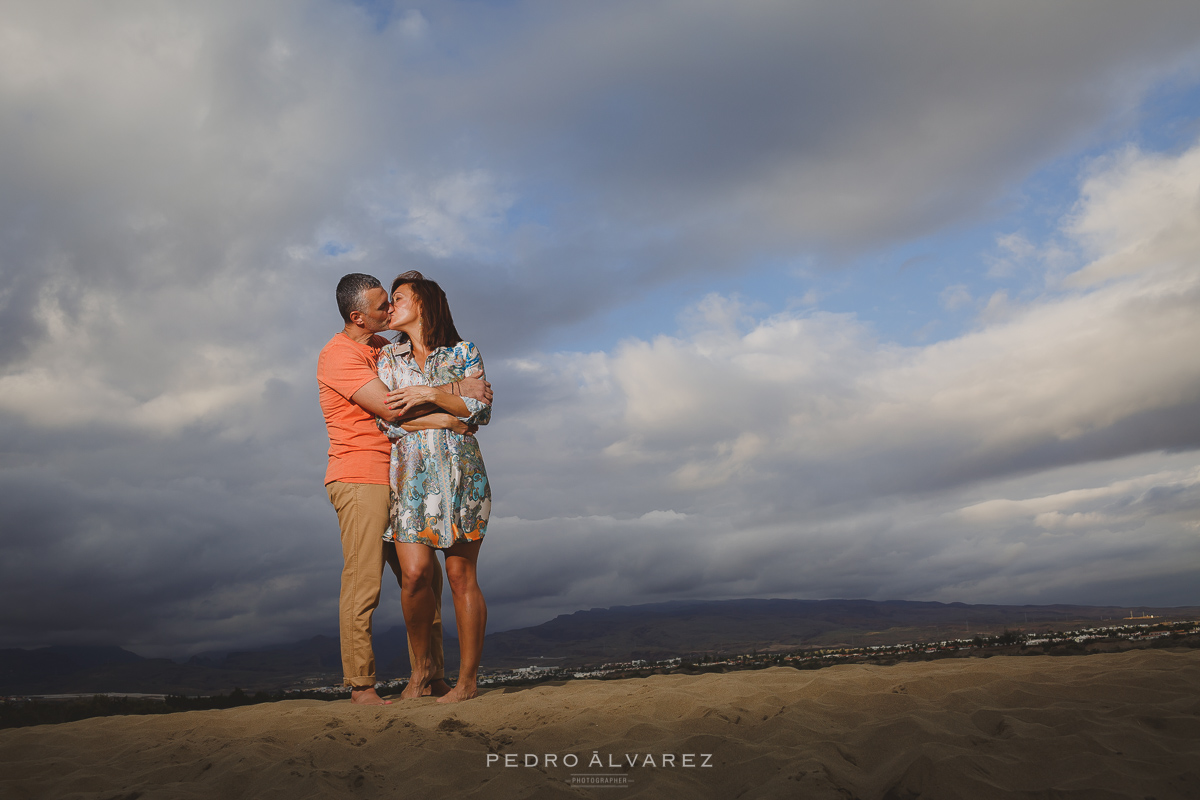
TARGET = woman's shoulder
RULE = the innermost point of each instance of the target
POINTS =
(462, 355)
(461, 349)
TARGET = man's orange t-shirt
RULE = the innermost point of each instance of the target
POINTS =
(358, 451)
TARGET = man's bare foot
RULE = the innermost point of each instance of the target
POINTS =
(436, 688)
(367, 697)
(463, 690)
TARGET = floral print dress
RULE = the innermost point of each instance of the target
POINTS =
(440, 491)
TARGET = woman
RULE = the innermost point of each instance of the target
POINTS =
(440, 494)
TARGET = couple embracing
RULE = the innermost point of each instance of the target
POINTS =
(405, 475)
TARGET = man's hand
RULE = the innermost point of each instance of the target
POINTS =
(477, 389)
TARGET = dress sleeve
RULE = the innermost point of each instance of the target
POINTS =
(387, 374)
(480, 412)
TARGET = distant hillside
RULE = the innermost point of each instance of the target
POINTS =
(665, 630)
(621, 633)
(59, 670)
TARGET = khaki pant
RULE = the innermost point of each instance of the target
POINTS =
(362, 510)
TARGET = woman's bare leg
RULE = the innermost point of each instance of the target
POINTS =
(438, 686)
(470, 612)
(417, 562)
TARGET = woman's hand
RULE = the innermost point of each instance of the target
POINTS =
(425, 398)
(401, 400)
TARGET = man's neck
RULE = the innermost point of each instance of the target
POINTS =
(358, 333)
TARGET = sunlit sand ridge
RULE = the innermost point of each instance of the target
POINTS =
(1101, 726)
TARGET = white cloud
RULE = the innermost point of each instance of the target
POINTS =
(413, 26)
(1139, 211)
(955, 297)
(453, 215)
(782, 431)
(1016, 252)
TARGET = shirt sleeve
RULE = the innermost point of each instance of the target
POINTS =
(346, 370)
(479, 412)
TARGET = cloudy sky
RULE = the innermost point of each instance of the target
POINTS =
(780, 299)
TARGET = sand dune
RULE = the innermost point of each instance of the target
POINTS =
(1103, 726)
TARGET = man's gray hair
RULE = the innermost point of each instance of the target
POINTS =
(352, 290)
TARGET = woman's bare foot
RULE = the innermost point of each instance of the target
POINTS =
(367, 697)
(463, 690)
(436, 688)
(417, 683)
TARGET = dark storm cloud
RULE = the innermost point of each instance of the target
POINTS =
(642, 141)
(805, 123)
(208, 538)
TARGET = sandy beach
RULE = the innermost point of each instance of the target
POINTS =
(1122, 725)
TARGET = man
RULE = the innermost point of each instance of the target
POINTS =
(352, 396)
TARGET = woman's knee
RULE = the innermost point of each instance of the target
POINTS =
(416, 571)
(413, 581)
(460, 574)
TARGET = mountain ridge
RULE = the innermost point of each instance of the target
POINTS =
(652, 631)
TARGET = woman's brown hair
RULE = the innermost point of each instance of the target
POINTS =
(437, 325)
